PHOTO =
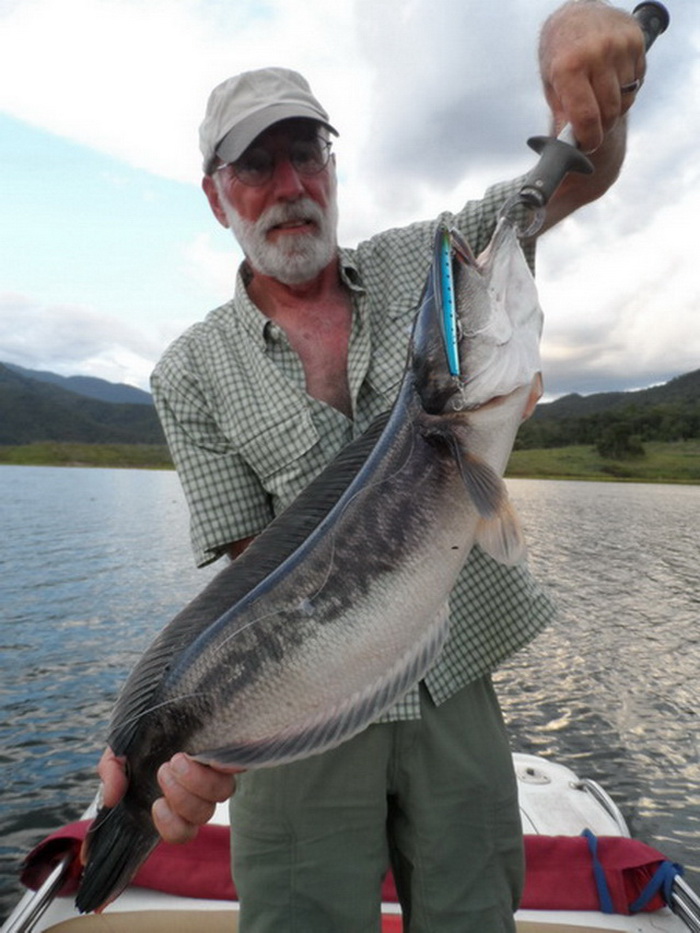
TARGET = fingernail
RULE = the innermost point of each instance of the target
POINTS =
(161, 811)
(180, 764)
(165, 776)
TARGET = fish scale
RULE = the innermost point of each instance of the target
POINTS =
(328, 634)
(340, 605)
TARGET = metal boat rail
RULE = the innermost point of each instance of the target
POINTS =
(686, 904)
(30, 911)
(605, 800)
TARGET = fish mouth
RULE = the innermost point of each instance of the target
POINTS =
(535, 394)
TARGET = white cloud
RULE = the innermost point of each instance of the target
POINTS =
(131, 77)
(622, 308)
(433, 101)
(212, 265)
(73, 340)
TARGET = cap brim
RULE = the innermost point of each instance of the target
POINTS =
(237, 140)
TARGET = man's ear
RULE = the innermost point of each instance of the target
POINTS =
(210, 189)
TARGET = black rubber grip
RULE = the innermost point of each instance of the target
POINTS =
(653, 19)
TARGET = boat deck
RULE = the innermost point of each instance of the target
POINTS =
(554, 801)
(225, 921)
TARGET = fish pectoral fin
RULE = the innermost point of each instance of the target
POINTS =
(498, 531)
(485, 487)
(501, 536)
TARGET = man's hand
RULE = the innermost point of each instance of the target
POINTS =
(589, 54)
(190, 792)
(589, 51)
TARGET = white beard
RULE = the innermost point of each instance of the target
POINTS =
(296, 258)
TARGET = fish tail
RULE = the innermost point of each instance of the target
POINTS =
(118, 842)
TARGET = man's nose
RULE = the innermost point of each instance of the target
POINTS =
(286, 179)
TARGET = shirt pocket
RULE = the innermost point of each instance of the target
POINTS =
(285, 456)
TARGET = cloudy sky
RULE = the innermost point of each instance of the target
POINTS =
(108, 247)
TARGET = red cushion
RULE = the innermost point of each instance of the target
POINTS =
(559, 869)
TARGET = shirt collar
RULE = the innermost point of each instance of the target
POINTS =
(248, 315)
(349, 271)
(255, 322)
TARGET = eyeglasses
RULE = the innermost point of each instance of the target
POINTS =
(257, 164)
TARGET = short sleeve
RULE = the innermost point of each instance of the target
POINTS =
(225, 498)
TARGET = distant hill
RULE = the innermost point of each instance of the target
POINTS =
(88, 385)
(43, 406)
(681, 389)
(33, 409)
(668, 412)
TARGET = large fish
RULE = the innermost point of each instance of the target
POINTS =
(340, 605)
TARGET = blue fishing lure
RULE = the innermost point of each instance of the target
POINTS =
(449, 306)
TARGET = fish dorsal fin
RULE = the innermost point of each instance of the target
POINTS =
(274, 545)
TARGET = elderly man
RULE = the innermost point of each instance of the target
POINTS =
(254, 401)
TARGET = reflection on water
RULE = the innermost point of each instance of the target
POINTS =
(612, 687)
(93, 562)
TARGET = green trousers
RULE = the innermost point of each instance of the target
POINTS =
(434, 798)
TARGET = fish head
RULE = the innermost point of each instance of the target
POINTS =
(497, 324)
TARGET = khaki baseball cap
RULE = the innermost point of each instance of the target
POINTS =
(240, 108)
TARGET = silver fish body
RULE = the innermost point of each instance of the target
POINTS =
(340, 605)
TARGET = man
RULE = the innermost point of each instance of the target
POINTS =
(254, 401)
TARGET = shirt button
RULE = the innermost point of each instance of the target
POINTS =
(273, 332)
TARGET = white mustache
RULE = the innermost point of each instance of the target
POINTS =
(304, 210)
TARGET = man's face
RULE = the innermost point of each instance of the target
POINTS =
(286, 222)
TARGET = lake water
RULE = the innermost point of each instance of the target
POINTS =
(94, 562)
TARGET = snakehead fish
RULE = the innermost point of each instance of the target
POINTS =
(340, 605)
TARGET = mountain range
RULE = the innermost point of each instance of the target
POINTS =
(42, 406)
(680, 390)
(87, 385)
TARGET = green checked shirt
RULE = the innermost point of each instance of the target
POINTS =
(246, 438)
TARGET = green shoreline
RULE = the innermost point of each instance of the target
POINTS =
(677, 462)
(66, 453)
(662, 462)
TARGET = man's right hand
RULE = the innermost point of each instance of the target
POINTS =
(190, 792)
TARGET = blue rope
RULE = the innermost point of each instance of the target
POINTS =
(606, 902)
(661, 881)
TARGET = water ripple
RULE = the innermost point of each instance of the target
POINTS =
(94, 562)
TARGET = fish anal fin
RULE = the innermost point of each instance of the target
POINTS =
(501, 536)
